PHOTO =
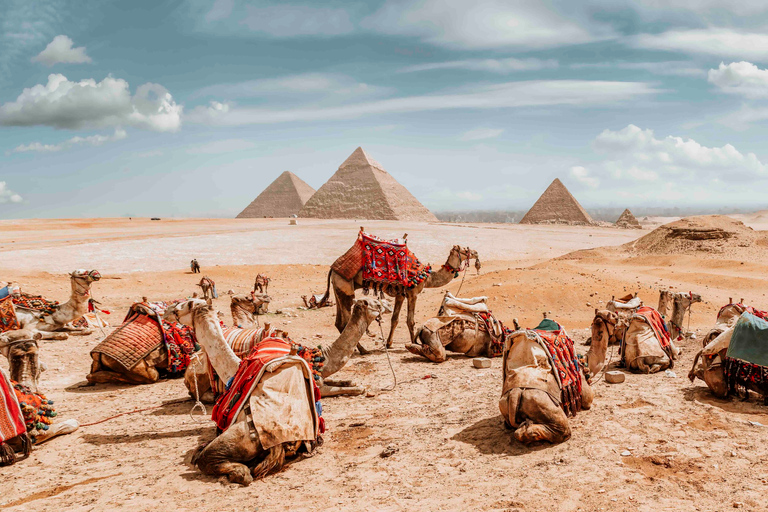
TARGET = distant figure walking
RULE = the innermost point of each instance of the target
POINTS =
(195, 266)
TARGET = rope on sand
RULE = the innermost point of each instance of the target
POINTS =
(168, 402)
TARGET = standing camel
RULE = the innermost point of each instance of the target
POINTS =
(261, 284)
(63, 314)
(344, 289)
(208, 287)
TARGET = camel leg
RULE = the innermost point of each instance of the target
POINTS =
(338, 388)
(395, 318)
(430, 346)
(273, 462)
(675, 350)
(410, 319)
(54, 335)
(228, 453)
(544, 420)
(343, 309)
(587, 393)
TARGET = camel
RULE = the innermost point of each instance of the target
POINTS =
(261, 284)
(465, 326)
(106, 366)
(708, 362)
(208, 287)
(229, 453)
(317, 301)
(647, 347)
(245, 307)
(533, 401)
(21, 349)
(58, 321)
(364, 312)
(672, 306)
(344, 289)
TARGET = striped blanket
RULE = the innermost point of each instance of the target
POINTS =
(248, 376)
(11, 421)
(241, 341)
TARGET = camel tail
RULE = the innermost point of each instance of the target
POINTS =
(327, 293)
(273, 462)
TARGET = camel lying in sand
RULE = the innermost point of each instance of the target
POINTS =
(672, 306)
(536, 398)
(232, 452)
(198, 376)
(137, 352)
(245, 307)
(709, 362)
(21, 349)
(465, 326)
(56, 324)
(646, 348)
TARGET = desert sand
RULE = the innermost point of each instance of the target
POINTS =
(687, 450)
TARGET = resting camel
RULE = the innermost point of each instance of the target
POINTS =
(229, 453)
(364, 312)
(532, 398)
(21, 349)
(459, 327)
(64, 314)
(344, 290)
(708, 362)
(245, 307)
(261, 284)
(107, 369)
(641, 350)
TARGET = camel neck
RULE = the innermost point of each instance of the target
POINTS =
(440, 277)
(209, 334)
(597, 351)
(337, 355)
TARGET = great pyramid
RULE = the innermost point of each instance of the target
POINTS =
(627, 220)
(557, 206)
(362, 189)
(282, 198)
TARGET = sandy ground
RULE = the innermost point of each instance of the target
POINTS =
(689, 451)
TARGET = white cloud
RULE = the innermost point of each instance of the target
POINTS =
(7, 195)
(297, 20)
(91, 140)
(220, 10)
(500, 66)
(479, 24)
(637, 155)
(222, 146)
(582, 175)
(741, 7)
(482, 134)
(577, 93)
(60, 51)
(293, 85)
(90, 104)
(742, 78)
(721, 42)
(665, 68)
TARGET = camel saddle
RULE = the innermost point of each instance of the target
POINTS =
(746, 361)
(131, 342)
(457, 314)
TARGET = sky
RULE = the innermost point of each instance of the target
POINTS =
(191, 108)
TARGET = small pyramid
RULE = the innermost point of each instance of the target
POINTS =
(282, 198)
(628, 221)
(362, 189)
(557, 206)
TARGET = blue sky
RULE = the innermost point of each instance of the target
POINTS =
(192, 108)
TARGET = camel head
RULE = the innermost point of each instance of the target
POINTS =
(184, 312)
(86, 276)
(23, 362)
(604, 319)
(371, 308)
(460, 256)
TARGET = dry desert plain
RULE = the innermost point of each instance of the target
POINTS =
(687, 450)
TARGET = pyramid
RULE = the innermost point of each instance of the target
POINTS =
(556, 206)
(362, 189)
(282, 198)
(627, 220)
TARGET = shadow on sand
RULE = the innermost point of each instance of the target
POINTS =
(490, 437)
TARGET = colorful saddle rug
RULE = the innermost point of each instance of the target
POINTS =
(8, 321)
(142, 331)
(12, 422)
(242, 342)
(37, 410)
(248, 376)
(383, 263)
(35, 303)
(565, 366)
(748, 309)
(746, 361)
(655, 321)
